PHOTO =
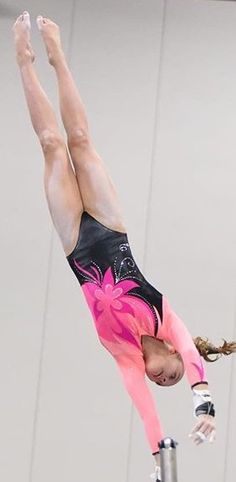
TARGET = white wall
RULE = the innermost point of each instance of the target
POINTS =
(158, 81)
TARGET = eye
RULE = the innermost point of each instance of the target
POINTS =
(159, 374)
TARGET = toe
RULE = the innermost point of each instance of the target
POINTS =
(39, 21)
(26, 18)
(48, 21)
(18, 20)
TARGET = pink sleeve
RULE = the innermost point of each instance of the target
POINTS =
(182, 341)
(133, 375)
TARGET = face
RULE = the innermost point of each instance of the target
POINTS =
(169, 373)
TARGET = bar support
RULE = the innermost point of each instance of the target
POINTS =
(168, 460)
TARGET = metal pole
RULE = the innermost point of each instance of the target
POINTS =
(168, 460)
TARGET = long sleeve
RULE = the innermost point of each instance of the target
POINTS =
(133, 375)
(182, 341)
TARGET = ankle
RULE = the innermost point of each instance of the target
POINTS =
(58, 60)
(24, 58)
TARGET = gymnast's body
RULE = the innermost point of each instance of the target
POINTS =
(134, 321)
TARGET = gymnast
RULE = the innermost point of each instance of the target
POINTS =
(134, 321)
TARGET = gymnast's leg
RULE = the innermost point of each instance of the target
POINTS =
(62, 191)
(96, 187)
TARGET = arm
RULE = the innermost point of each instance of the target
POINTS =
(132, 370)
(182, 341)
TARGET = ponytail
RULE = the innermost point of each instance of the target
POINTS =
(205, 348)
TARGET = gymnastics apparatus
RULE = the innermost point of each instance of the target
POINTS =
(134, 321)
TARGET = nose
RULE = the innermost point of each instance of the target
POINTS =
(161, 379)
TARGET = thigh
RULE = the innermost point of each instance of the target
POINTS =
(97, 189)
(63, 197)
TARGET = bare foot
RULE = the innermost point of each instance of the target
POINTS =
(21, 29)
(51, 36)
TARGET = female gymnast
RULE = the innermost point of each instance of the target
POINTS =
(134, 321)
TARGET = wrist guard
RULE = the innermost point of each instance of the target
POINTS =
(202, 402)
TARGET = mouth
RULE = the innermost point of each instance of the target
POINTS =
(158, 375)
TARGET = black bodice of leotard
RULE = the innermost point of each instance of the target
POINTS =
(99, 248)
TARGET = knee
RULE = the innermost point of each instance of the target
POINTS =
(79, 138)
(51, 141)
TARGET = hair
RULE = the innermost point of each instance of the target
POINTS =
(206, 349)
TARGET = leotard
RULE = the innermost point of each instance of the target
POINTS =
(125, 306)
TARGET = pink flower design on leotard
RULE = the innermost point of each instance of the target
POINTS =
(115, 309)
(111, 296)
(108, 297)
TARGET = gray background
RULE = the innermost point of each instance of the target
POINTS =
(158, 79)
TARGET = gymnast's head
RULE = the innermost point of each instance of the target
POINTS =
(164, 365)
(172, 370)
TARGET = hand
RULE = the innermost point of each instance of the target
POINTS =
(205, 429)
(156, 476)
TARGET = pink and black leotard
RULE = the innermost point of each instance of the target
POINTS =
(126, 306)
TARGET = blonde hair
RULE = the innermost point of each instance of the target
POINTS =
(206, 349)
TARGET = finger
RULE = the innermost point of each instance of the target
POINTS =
(213, 436)
(198, 438)
(208, 430)
(198, 441)
(197, 427)
(204, 421)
